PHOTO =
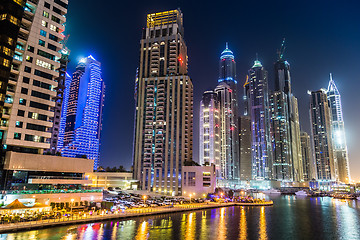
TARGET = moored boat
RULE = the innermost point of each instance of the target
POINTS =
(301, 193)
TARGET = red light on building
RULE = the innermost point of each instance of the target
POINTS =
(230, 90)
(232, 128)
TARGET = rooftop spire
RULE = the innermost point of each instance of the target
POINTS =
(227, 53)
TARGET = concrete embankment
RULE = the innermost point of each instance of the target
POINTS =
(132, 213)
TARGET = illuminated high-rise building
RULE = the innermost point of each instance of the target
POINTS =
(259, 112)
(321, 137)
(209, 142)
(32, 33)
(338, 132)
(84, 112)
(245, 147)
(306, 156)
(280, 133)
(228, 105)
(285, 125)
(164, 105)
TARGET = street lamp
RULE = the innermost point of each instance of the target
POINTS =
(190, 197)
(144, 197)
(72, 201)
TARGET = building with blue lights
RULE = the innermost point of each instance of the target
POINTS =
(83, 111)
(258, 110)
(338, 132)
(228, 107)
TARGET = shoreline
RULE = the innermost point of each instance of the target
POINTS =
(132, 213)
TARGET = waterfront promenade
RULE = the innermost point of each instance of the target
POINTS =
(129, 213)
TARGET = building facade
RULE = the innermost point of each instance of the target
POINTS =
(338, 132)
(228, 107)
(84, 112)
(306, 156)
(164, 105)
(321, 136)
(209, 142)
(198, 181)
(245, 148)
(27, 115)
(289, 127)
(258, 109)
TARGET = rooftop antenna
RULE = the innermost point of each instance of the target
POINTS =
(331, 77)
(257, 57)
(282, 50)
(227, 45)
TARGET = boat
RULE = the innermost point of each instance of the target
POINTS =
(301, 193)
(272, 191)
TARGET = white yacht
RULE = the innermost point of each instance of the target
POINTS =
(301, 193)
(272, 191)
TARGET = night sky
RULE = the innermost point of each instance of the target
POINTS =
(321, 37)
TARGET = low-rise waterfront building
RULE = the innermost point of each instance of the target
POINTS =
(122, 180)
(47, 179)
(198, 181)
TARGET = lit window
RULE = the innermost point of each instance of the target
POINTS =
(41, 43)
(7, 51)
(45, 14)
(53, 28)
(44, 23)
(43, 33)
(44, 64)
(14, 20)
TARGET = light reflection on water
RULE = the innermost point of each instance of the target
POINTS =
(298, 218)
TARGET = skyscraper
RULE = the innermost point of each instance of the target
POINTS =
(164, 110)
(306, 156)
(338, 132)
(287, 137)
(84, 112)
(209, 142)
(321, 137)
(258, 107)
(227, 97)
(245, 147)
(280, 133)
(35, 29)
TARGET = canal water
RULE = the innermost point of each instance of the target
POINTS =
(291, 217)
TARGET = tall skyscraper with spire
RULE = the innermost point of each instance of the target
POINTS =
(338, 132)
(164, 105)
(258, 109)
(228, 105)
(285, 124)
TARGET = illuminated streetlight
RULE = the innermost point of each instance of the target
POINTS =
(144, 197)
(190, 197)
(72, 201)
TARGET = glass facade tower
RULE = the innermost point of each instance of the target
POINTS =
(84, 112)
(258, 109)
(338, 132)
(228, 105)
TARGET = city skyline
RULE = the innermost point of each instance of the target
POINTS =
(303, 76)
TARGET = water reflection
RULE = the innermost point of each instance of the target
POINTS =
(303, 219)
(222, 226)
(142, 231)
(262, 224)
(243, 225)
